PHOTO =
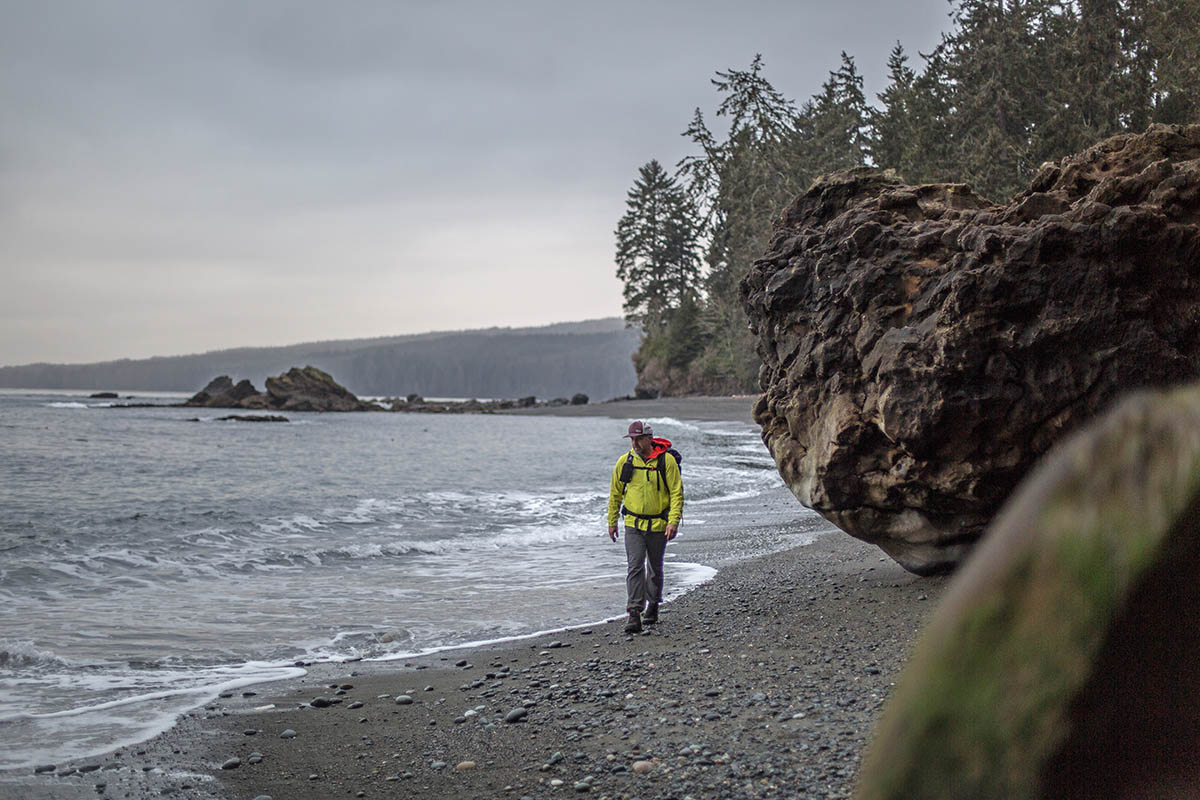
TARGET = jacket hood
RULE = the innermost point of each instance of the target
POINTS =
(660, 446)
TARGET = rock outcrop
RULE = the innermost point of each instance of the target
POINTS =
(1061, 661)
(307, 389)
(222, 393)
(922, 348)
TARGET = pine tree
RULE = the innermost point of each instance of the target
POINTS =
(997, 63)
(839, 121)
(893, 125)
(1164, 55)
(741, 183)
(657, 252)
(929, 154)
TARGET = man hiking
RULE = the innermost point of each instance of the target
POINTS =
(647, 491)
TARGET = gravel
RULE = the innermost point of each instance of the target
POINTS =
(763, 683)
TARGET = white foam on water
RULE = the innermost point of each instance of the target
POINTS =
(93, 729)
(685, 576)
(65, 405)
(657, 422)
(744, 494)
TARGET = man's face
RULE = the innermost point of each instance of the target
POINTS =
(643, 444)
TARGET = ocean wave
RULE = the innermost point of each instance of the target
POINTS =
(62, 404)
(672, 423)
(499, 541)
(23, 654)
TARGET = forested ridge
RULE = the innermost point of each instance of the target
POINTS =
(547, 362)
(1013, 84)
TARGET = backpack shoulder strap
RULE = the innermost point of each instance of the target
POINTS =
(627, 469)
(662, 463)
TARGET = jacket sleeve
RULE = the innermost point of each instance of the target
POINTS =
(675, 487)
(615, 493)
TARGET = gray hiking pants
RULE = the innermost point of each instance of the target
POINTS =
(644, 567)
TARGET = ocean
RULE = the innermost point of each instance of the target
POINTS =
(152, 558)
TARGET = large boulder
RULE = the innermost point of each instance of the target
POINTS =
(1061, 662)
(922, 348)
(310, 389)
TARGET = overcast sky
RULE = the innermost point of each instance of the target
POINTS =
(179, 176)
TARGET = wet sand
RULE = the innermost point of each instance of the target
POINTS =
(764, 682)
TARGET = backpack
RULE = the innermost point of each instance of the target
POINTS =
(627, 468)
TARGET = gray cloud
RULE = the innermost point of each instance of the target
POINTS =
(185, 176)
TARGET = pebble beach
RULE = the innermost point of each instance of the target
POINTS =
(764, 682)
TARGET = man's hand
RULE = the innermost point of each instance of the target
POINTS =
(671, 531)
(612, 532)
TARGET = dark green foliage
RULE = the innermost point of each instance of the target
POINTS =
(839, 121)
(894, 124)
(1013, 84)
(657, 244)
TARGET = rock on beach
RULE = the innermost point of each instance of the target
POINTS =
(922, 347)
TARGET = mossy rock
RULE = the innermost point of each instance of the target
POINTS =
(1063, 660)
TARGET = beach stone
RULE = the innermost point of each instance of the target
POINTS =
(232, 763)
(288, 734)
(463, 766)
(516, 715)
(254, 758)
(922, 347)
(642, 767)
(354, 705)
(320, 702)
(42, 768)
(250, 732)
(1061, 662)
(403, 700)
(438, 765)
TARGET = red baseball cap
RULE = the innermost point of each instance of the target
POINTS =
(638, 428)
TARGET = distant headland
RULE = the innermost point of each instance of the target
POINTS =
(591, 357)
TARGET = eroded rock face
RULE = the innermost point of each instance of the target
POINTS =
(922, 348)
(1061, 661)
(307, 389)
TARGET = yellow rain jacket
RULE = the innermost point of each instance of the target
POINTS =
(650, 502)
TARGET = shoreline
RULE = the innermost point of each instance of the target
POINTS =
(741, 666)
(765, 681)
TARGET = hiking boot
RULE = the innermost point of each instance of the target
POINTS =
(634, 625)
(651, 615)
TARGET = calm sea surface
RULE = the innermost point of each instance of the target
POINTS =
(148, 561)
